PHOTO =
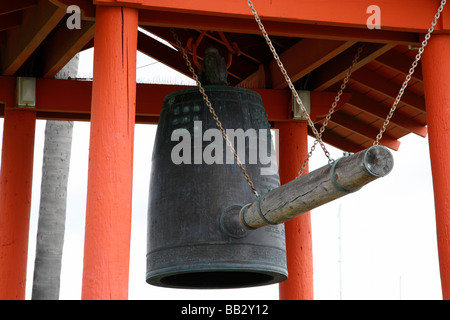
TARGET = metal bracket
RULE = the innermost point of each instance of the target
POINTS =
(26, 92)
(333, 178)
(297, 113)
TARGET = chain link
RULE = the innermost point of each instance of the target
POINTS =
(288, 80)
(411, 72)
(213, 113)
(317, 134)
(331, 111)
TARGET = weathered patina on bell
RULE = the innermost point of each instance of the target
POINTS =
(195, 239)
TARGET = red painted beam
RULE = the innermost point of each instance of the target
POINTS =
(275, 28)
(436, 67)
(76, 96)
(50, 93)
(73, 96)
(293, 149)
(406, 15)
(277, 104)
(16, 177)
(109, 189)
(7, 91)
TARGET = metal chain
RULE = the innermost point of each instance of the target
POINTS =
(411, 71)
(211, 110)
(317, 134)
(332, 109)
(288, 80)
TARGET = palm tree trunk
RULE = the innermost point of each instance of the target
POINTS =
(52, 210)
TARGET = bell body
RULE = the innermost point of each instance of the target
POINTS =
(195, 239)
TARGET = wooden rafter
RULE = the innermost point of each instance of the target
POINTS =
(16, 5)
(164, 33)
(302, 58)
(10, 20)
(401, 63)
(39, 21)
(370, 106)
(335, 70)
(86, 6)
(337, 141)
(382, 85)
(158, 51)
(364, 129)
(63, 45)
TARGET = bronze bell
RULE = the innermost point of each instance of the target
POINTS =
(195, 239)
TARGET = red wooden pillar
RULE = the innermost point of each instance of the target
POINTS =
(436, 76)
(15, 200)
(293, 149)
(109, 194)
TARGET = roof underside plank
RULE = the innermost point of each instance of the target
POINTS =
(38, 22)
(316, 42)
(404, 15)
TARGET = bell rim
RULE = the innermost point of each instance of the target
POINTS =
(164, 278)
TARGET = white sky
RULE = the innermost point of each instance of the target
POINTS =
(388, 234)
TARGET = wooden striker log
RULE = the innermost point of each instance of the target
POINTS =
(346, 175)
